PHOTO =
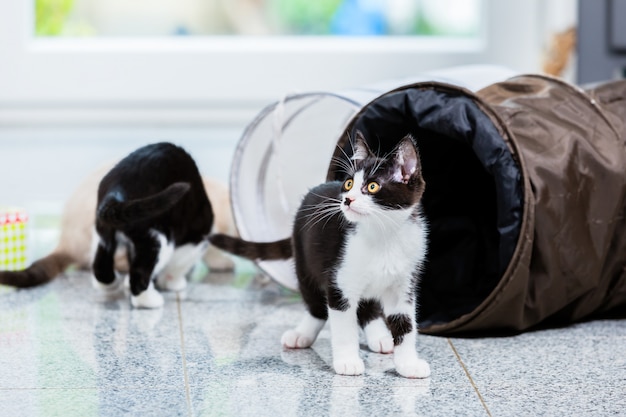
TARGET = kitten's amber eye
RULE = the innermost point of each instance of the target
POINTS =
(373, 187)
(348, 184)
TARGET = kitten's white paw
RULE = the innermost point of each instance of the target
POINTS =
(378, 337)
(170, 282)
(106, 288)
(417, 368)
(295, 340)
(382, 345)
(349, 366)
(150, 298)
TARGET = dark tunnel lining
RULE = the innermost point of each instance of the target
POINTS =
(473, 199)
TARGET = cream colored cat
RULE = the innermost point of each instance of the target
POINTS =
(76, 243)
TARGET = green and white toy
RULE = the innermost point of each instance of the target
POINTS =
(13, 238)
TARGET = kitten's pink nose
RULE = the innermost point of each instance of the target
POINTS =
(348, 200)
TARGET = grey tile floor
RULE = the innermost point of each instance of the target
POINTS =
(214, 350)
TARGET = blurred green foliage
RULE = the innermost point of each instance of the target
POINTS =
(50, 16)
(55, 18)
(303, 16)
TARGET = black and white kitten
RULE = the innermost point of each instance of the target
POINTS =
(359, 246)
(152, 204)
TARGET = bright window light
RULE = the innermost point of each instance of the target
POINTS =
(136, 18)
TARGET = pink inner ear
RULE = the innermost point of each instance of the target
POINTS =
(359, 154)
(397, 176)
(406, 163)
(409, 167)
(360, 148)
(400, 176)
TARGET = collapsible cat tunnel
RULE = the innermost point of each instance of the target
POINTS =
(525, 186)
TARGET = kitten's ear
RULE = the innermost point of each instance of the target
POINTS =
(360, 147)
(406, 160)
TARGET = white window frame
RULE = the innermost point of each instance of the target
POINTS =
(223, 80)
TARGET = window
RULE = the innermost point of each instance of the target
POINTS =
(84, 18)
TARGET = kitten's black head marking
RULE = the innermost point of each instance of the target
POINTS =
(398, 173)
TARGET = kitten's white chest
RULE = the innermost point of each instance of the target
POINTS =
(374, 262)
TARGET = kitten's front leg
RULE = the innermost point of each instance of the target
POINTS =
(172, 276)
(149, 298)
(378, 337)
(371, 319)
(104, 276)
(406, 360)
(344, 337)
(143, 294)
(402, 323)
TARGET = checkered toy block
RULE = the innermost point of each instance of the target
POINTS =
(13, 222)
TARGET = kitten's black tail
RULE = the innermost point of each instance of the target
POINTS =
(263, 251)
(114, 211)
(40, 272)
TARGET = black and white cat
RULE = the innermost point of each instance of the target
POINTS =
(359, 246)
(153, 205)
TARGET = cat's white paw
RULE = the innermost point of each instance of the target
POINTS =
(293, 339)
(417, 368)
(106, 288)
(150, 298)
(378, 337)
(170, 282)
(349, 366)
(382, 345)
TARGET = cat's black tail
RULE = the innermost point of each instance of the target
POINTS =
(40, 272)
(114, 211)
(263, 251)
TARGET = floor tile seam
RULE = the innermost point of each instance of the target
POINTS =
(50, 388)
(95, 387)
(467, 373)
(590, 390)
(184, 355)
(379, 384)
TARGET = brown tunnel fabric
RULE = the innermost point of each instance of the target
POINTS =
(525, 185)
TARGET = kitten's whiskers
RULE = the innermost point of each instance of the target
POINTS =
(348, 162)
(343, 165)
(321, 211)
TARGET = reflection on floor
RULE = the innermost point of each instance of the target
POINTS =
(66, 350)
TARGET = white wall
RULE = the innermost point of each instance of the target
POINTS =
(39, 167)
